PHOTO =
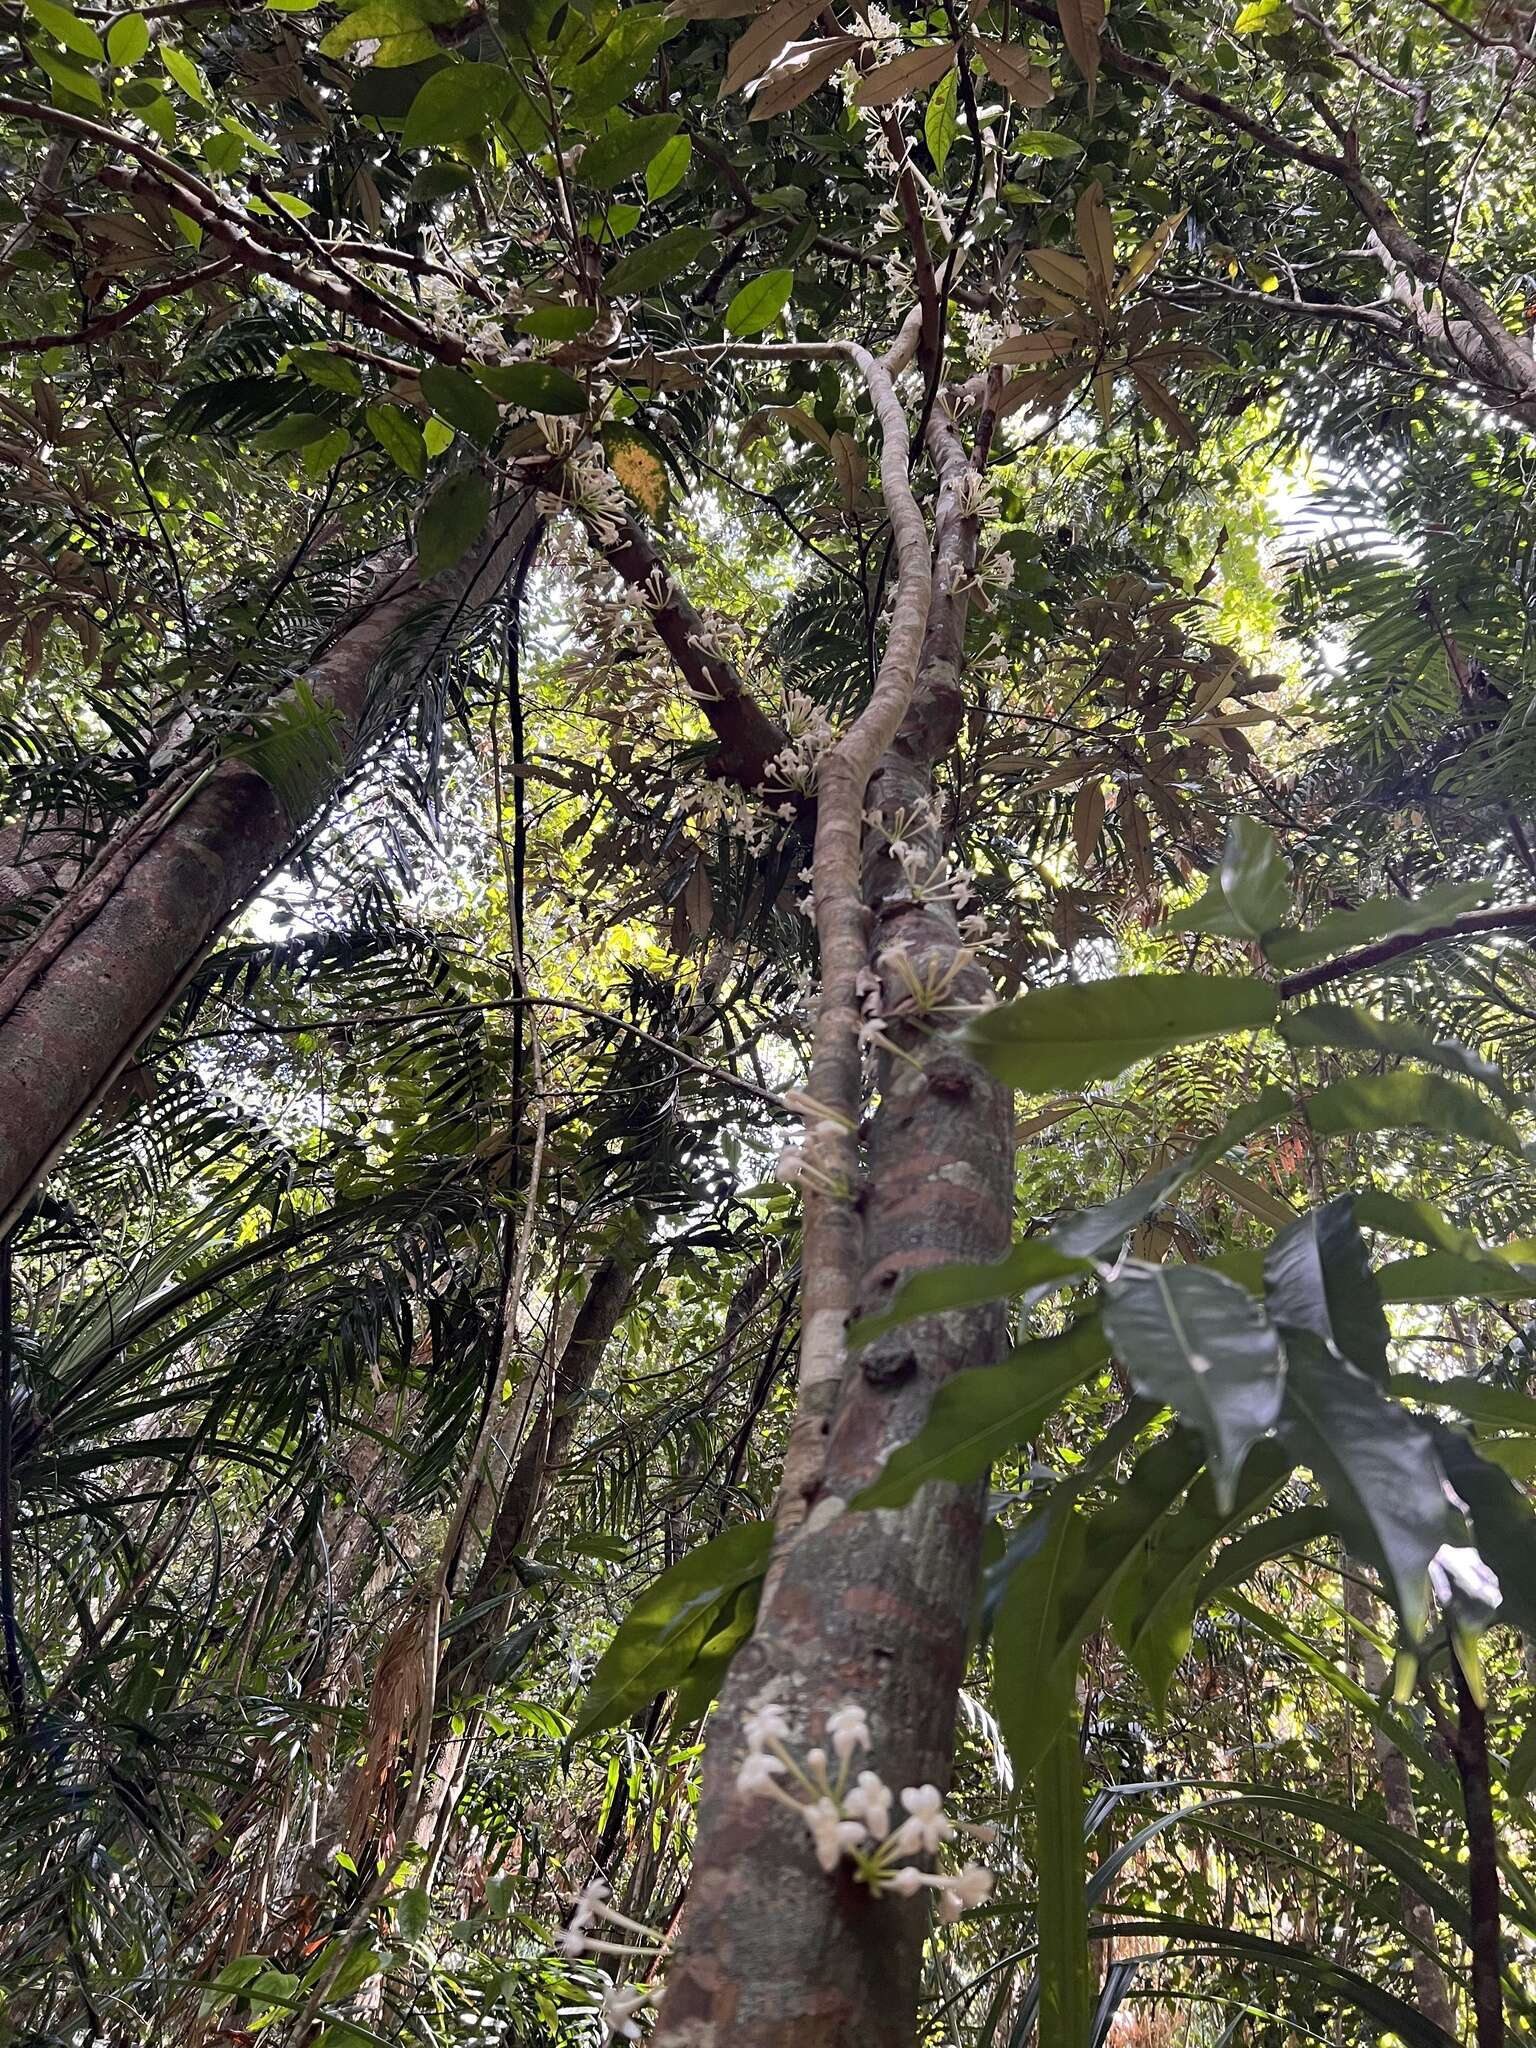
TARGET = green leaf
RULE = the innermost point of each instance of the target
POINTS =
(1066, 1037)
(733, 1627)
(1503, 1526)
(1248, 892)
(536, 387)
(978, 1415)
(1377, 1465)
(437, 436)
(66, 77)
(1342, 1025)
(1276, 1536)
(645, 268)
(1408, 1100)
(320, 457)
(331, 373)
(1484, 1406)
(185, 73)
(657, 1643)
(1091, 1231)
(1154, 1607)
(759, 302)
(556, 323)
(69, 30)
(1047, 1612)
(461, 401)
(612, 71)
(1451, 1276)
(400, 437)
(1043, 142)
(1065, 1966)
(1205, 1347)
(128, 40)
(1383, 917)
(413, 1912)
(292, 432)
(451, 521)
(625, 149)
(940, 1289)
(1033, 1691)
(940, 123)
(668, 167)
(1317, 1277)
(457, 103)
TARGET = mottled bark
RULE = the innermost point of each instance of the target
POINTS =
(874, 1607)
(1430, 1988)
(92, 981)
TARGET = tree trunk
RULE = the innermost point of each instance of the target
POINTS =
(93, 980)
(1430, 1988)
(874, 1607)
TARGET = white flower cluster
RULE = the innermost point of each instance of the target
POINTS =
(451, 312)
(809, 732)
(621, 2002)
(589, 489)
(848, 1811)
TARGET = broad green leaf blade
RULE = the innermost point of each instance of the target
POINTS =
(1155, 1606)
(1092, 1231)
(456, 397)
(1343, 1026)
(1064, 1965)
(1378, 1467)
(657, 1643)
(1503, 1527)
(452, 520)
(654, 263)
(978, 1415)
(940, 123)
(668, 168)
(625, 149)
(1033, 1689)
(1248, 892)
(128, 40)
(759, 302)
(536, 387)
(1278, 1536)
(1450, 1276)
(1485, 1407)
(1383, 917)
(1407, 1100)
(1317, 1277)
(456, 103)
(1204, 1346)
(1031, 1263)
(1066, 1037)
(400, 438)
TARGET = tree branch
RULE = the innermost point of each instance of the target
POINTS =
(1475, 924)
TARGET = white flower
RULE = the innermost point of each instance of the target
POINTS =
(848, 1728)
(1457, 1568)
(758, 1771)
(869, 1799)
(830, 1833)
(764, 1724)
(926, 1825)
(906, 1882)
(594, 1895)
(620, 2004)
(972, 1887)
(572, 1942)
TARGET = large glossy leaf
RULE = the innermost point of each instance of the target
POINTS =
(452, 520)
(660, 1640)
(1410, 1101)
(654, 262)
(1248, 891)
(1346, 1028)
(1383, 917)
(457, 102)
(1503, 1526)
(1448, 1276)
(1095, 1230)
(1317, 1277)
(1065, 1968)
(1067, 1037)
(1485, 1407)
(625, 149)
(1155, 1604)
(1031, 1263)
(1204, 1346)
(1378, 1466)
(980, 1414)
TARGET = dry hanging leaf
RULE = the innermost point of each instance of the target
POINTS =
(1138, 843)
(1008, 65)
(1096, 238)
(797, 72)
(910, 72)
(1082, 23)
(1041, 390)
(1050, 345)
(1162, 404)
(852, 469)
(1066, 273)
(755, 48)
(1149, 255)
(1088, 820)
